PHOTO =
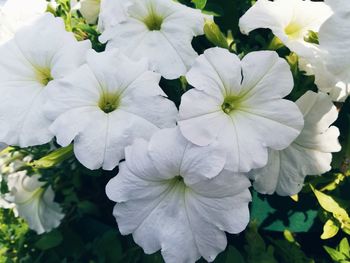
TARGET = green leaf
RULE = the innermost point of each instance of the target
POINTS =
(200, 4)
(329, 204)
(330, 229)
(233, 255)
(108, 247)
(214, 34)
(49, 240)
(344, 247)
(256, 249)
(335, 255)
(289, 252)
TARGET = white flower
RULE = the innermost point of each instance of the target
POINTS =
(34, 204)
(174, 196)
(289, 20)
(324, 79)
(16, 13)
(334, 41)
(31, 63)
(160, 30)
(105, 104)
(309, 154)
(240, 104)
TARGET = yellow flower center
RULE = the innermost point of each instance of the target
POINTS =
(230, 104)
(153, 21)
(109, 102)
(43, 75)
(294, 30)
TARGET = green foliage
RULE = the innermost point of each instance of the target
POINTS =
(341, 253)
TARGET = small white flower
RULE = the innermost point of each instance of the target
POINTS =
(90, 9)
(105, 104)
(309, 154)
(289, 20)
(16, 13)
(160, 30)
(240, 104)
(174, 196)
(30, 64)
(33, 203)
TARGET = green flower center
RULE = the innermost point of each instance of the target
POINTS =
(43, 75)
(230, 104)
(109, 102)
(153, 21)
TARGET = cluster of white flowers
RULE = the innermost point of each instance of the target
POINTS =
(186, 175)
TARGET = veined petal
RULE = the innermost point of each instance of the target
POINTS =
(172, 202)
(149, 26)
(28, 67)
(17, 13)
(107, 103)
(309, 154)
(216, 69)
(241, 106)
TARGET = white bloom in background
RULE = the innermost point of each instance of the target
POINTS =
(334, 41)
(324, 79)
(240, 104)
(105, 104)
(31, 63)
(90, 9)
(16, 13)
(309, 154)
(289, 20)
(174, 196)
(160, 30)
(34, 204)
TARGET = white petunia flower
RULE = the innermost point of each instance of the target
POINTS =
(161, 30)
(289, 20)
(105, 104)
(31, 63)
(174, 196)
(334, 41)
(324, 79)
(309, 154)
(34, 204)
(240, 104)
(16, 13)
